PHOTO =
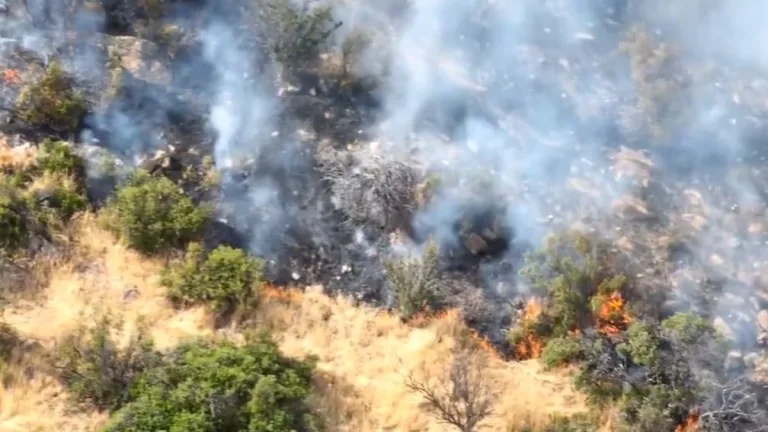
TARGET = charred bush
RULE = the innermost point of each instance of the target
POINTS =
(378, 191)
(151, 214)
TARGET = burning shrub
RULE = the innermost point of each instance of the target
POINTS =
(226, 277)
(415, 280)
(223, 386)
(578, 288)
(561, 350)
(96, 371)
(527, 337)
(659, 371)
(152, 214)
(52, 103)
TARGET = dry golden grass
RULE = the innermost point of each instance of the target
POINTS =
(15, 158)
(369, 353)
(364, 353)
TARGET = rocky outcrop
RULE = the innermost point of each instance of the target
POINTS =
(140, 57)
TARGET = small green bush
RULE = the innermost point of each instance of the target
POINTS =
(151, 214)
(642, 344)
(14, 228)
(58, 157)
(96, 371)
(560, 350)
(227, 277)
(221, 387)
(415, 281)
(52, 102)
(294, 36)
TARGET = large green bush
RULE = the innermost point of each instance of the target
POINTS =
(221, 387)
(152, 214)
(52, 102)
(226, 277)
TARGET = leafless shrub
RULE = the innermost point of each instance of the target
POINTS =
(735, 406)
(378, 191)
(463, 397)
(415, 280)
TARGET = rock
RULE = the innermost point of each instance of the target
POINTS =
(131, 294)
(723, 328)
(734, 360)
(476, 244)
(751, 360)
(140, 57)
(762, 338)
(762, 320)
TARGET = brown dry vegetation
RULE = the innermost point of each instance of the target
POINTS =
(364, 354)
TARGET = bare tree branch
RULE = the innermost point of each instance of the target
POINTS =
(463, 397)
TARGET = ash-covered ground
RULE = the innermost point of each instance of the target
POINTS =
(348, 135)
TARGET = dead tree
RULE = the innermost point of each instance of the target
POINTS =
(736, 405)
(463, 397)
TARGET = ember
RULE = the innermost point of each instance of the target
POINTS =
(281, 293)
(612, 316)
(11, 76)
(691, 423)
(530, 345)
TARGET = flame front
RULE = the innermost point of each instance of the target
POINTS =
(612, 316)
(281, 293)
(530, 345)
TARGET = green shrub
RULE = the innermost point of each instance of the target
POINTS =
(560, 350)
(415, 281)
(642, 344)
(294, 36)
(58, 157)
(52, 102)
(227, 277)
(152, 214)
(96, 371)
(221, 387)
(14, 228)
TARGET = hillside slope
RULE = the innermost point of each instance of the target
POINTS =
(363, 353)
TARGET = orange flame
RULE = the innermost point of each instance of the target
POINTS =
(530, 345)
(281, 293)
(690, 425)
(11, 76)
(612, 316)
